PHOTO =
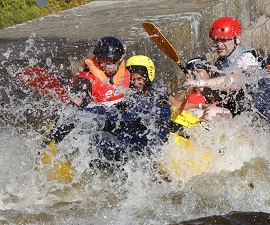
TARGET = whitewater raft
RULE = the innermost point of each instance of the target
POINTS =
(183, 160)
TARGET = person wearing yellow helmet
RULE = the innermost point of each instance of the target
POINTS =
(145, 112)
(142, 73)
(142, 79)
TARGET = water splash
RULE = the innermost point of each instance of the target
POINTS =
(132, 193)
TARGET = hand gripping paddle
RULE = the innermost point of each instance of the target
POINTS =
(166, 47)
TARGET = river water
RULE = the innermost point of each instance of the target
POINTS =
(236, 178)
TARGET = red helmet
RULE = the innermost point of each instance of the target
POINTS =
(225, 28)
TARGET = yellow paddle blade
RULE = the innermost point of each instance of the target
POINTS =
(60, 170)
(186, 118)
(184, 160)
(160, 40)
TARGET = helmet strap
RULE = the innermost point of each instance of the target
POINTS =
(146, 86)
(111, 80)
(235, 43)
(235, 46)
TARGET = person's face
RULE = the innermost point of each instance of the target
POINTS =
(137, 81)
(110, 66)
(197, 74)
(226, 46)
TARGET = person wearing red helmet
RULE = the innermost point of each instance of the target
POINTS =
(233, 61)
(226, 33)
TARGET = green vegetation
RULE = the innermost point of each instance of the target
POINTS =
(13, 12)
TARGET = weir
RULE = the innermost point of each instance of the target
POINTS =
(70, 34)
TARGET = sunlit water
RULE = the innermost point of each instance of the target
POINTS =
(236, 178)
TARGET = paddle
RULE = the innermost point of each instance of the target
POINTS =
(163, 44)
(43, 82)
(166, 47)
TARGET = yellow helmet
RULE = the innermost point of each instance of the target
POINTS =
(141, 60)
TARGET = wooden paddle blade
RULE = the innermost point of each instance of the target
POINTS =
(160, 40)
(43, 82)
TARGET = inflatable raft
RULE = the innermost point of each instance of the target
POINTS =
(182, 161)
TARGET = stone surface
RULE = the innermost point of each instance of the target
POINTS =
(72, 34)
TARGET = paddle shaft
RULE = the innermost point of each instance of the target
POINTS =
(166, 47)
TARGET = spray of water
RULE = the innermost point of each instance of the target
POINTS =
(223, 167)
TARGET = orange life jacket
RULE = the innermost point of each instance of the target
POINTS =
(102, 90)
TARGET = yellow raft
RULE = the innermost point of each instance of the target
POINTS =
(182, 160)
(55, 166)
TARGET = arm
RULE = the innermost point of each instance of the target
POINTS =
(81, 91)
(197, 106)
(232, 79)
(223, 82)
(174, 102)
(182, 96)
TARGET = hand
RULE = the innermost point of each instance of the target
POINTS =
(214, 111)
(189, 83)
(77, 100)
(193, 83)
(213, 104)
